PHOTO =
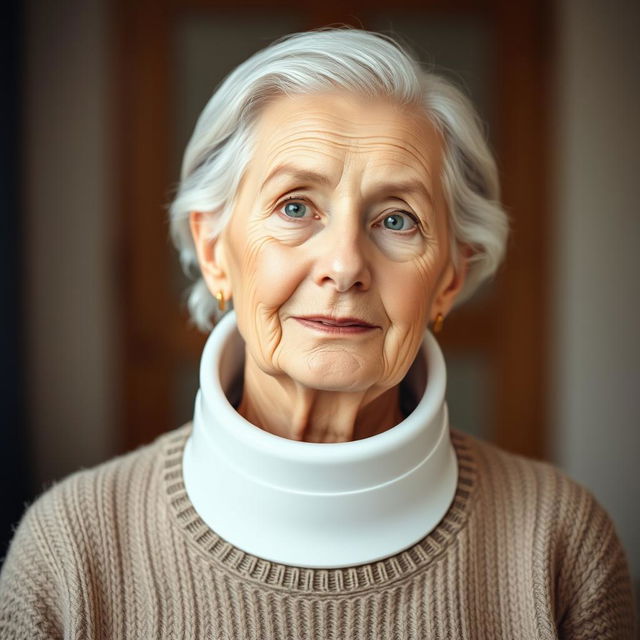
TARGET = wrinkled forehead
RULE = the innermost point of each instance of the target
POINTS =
(325, 130)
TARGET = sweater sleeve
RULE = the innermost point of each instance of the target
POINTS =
(595, 582)
(29, 593)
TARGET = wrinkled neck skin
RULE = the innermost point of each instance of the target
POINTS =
(291, 410)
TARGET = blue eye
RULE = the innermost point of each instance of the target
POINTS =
(295, 209)
(398, 222)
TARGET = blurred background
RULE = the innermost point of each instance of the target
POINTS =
(99, 99)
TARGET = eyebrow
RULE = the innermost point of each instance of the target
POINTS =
(397, 189)
(304, 176)
(307, 176)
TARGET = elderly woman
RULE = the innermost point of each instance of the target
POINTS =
(344, 200)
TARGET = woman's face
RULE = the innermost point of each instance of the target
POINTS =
(337, 251)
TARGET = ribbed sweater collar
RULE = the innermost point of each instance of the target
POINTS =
(317, 505)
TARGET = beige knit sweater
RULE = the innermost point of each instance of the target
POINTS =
(119, 552)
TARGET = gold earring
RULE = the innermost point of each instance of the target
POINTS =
(438, 323)
(222, 304)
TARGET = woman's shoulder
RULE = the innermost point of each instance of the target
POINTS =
(136, 468)
(85, 508)
(534, 510)
(69, 541)
(514, 474)
(538, 500)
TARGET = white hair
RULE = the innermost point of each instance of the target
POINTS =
(358, 61)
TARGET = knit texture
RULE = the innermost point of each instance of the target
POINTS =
(119, 552)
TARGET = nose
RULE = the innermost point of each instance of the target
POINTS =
(341, 259)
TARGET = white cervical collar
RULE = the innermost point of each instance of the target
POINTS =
(314, 504)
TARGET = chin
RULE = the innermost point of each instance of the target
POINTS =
(333, 372)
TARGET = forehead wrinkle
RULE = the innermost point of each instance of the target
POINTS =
(308, 117)
(339, 140)
(372, 176)
(382, 167)
(325, 128)
(396, 150)
(303, 161)
(336, 121)
(291, 150)
(379, 142)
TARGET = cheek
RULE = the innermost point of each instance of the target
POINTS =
(264, 275)
(407, 292)
(277, 273)
(265, 272)
(400, 248)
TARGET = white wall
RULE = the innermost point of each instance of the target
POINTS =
(69, 297)
(596, 360)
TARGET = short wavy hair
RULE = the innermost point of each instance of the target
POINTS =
(358, 61)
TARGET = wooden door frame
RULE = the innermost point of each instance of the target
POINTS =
(153, 329)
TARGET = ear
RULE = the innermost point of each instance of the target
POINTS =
(210, 252)
(450, 285)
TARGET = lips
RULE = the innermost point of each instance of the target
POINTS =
(336, 326)
(338, 322)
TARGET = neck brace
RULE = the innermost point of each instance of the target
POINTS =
(317, 505)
